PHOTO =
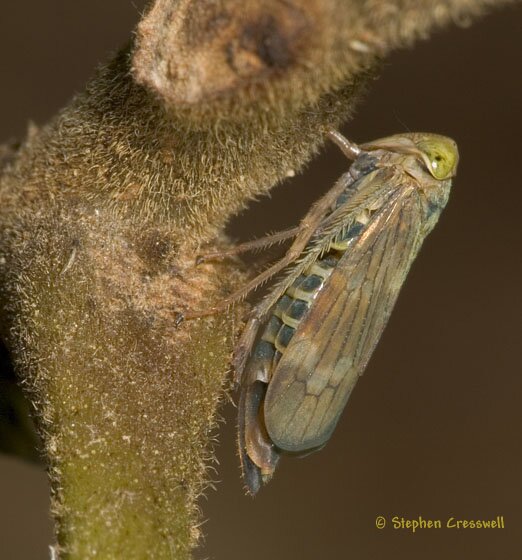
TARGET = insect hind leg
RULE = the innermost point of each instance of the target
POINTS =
(306, 229)
(261, 243)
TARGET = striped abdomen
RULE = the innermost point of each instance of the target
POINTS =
(293, 307)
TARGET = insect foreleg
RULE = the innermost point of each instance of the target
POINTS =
(349, 149)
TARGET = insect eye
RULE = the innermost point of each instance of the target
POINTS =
(440, 167)
(440, 155)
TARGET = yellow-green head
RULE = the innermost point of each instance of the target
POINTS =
(439, 153)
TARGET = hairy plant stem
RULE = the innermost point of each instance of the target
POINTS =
(102, 212)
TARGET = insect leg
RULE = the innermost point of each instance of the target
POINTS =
(349, 149)
(265, 241)
(307, 228)
(238, 295)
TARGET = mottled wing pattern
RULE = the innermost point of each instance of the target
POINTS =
(333, 344)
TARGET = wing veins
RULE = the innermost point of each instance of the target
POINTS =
(387, 228)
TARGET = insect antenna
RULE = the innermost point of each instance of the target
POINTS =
(401, 122)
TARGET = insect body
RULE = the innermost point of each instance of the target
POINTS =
(308, 341)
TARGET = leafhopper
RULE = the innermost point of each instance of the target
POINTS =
(307, 342)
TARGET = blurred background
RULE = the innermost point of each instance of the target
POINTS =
(433, 428)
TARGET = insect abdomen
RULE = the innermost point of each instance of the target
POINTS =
(290, 310)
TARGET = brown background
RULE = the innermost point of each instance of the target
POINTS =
(433, 428)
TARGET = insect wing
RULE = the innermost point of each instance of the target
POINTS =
(333, 344)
